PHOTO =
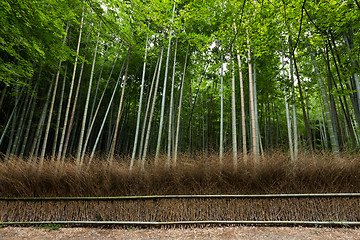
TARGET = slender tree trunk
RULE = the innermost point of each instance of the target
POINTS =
(179, 109)
(233, 112)
(74, 134)
(140, 105)
(306, 121)
(344, 102)
(257, 128)
(20, 127)
(146, 145)
(202, 133)
(256, 121)
(324, 126)
(107, 112)
(3, 93)
(164, 93)
(252, 107)
(336, 122)
(71, 121)
(191, 117)
(323, 140)
(52, 105)
(288, 122)
(12, 133)
(352, 96)
(37, 137)
(113, 144)
(221, 113)
(26, 136)
(84, 118)
(59, 114)
(98, 83)
(333, 111)
(170, 129)
(10, 120)
(296, 145)
(13, 124)
(354, 64)
(334, 144)
(147, 109)
(356, 135)
(110, 129)
(71, 88)
(96, 112)
(243, 123)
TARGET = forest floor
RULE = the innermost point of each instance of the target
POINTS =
(239, 232)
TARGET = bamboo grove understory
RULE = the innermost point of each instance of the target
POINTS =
(139, 80)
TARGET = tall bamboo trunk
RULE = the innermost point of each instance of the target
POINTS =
(191, 117)
(52, 105)
(288, 123)
(322, 137)
(323, 129)
(305, 115)
(71, 88)
(93, 118)
(243, 123)
(170, 129)
(71, 121)
(59, 114)
(113, 144)
(12, 115)
(20, 126)
(346, 110)
(221, 147)
(26, 136)
(147, 109)
(146, 144)
(179, 109)
(37, 137)
(140, 105)
(233, 112)
(334, 143)
(98, 83)
(352, 96)
(333, 110)
(13, 123)
(164, 93)
(3, 93)
(84, 118)
(110, 106)
(354, 64)
(12, 133)
(252, 107)
(295, 125)
(257, 128)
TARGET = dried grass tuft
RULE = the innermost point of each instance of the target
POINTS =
(193, 174)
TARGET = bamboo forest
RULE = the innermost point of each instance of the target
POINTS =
(134, 78)
(190, 113)
(103, 98)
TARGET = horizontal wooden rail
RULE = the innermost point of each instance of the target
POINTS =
(309, 195)
(135, 223)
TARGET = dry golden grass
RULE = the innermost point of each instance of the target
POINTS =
(312, 173)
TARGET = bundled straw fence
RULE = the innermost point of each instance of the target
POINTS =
(175, 209)
(23, 186)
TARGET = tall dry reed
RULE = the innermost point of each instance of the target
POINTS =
(193, 174)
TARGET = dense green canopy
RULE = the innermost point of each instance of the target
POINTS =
(302, 90)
